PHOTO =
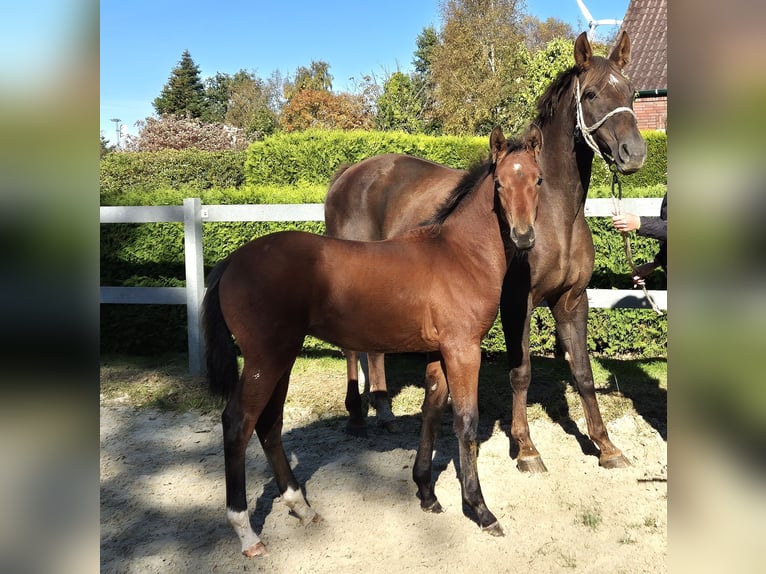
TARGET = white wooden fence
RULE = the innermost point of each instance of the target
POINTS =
(193, 214)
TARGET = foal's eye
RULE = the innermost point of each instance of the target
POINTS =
(540, 180)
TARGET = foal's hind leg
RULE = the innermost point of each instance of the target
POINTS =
(269, 429)
(571, 326)
(434, 404)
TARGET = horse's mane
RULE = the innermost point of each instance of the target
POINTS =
(467, 184)
(548, 102)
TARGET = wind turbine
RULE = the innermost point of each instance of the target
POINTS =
(593, 24)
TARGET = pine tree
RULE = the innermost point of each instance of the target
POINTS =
(184, 94)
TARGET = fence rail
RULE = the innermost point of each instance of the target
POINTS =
(193, 214)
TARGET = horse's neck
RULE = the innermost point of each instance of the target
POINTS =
(566, 165)
(475, 228)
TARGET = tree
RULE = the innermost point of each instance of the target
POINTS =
(250, 105)
(184, 93)
(317, 78)
(422, 79)
(311, 108)
(478, 52)
(173, 132)
(538, 33)
(398, 105)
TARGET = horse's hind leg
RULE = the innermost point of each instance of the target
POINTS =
(434, 404)
(269, 429)
(379, 392)
(571, 326)
(238, 420)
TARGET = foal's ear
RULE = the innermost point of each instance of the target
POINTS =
(621, 52)
(497, 144)
(533, 139)
(582, 52)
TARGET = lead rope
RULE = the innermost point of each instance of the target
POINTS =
(586, 134)
(626, 237)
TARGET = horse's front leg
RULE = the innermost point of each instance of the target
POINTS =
(571, 327)
(463, 377)
(515, 313)
(434, 403)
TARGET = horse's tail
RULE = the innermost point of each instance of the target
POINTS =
(221, 355)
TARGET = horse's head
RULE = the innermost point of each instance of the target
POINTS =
(604, 100)
(517, 182)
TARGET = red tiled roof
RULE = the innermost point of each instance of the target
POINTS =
(646, 23)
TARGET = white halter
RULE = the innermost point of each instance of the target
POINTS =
(587, 131)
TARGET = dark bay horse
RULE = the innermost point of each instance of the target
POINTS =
(435, 289)
(586, 110)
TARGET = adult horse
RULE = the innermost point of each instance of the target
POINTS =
(435, 289)
(585, 110)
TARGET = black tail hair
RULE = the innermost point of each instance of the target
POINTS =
(221, 352)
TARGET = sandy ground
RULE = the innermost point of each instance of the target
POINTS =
(163, 510)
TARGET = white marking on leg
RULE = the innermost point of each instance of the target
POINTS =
(433, 387)
(295, 502)
(241, 523)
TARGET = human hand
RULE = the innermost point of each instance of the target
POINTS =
(641, 272)
(626, 222)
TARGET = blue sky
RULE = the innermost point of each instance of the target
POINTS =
(142, 41)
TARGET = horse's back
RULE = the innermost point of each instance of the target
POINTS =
(383, 196)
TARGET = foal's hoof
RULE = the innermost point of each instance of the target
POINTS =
(316, 519)
(494, 529)
(614, 461)
(434, 508)
(533, 464)
(256, 550)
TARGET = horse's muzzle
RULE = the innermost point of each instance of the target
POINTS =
(630, 156)
(523, 241)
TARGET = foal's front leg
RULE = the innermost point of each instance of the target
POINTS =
(463, 377)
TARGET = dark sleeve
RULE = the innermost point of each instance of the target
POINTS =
(656, 227)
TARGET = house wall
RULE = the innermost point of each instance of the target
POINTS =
(651, 113)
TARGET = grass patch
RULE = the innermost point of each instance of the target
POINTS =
(318, 387)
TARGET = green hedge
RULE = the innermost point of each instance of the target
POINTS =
(152, 254)
(312, 156)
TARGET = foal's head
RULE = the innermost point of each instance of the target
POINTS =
(517, 181)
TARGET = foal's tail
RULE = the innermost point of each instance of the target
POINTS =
(221, 356)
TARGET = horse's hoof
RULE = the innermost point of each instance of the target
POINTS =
(494, 529)
(614, 461)
(356, 430)
(533, 464)
(390, 426)
(256, 550)
(434, 508)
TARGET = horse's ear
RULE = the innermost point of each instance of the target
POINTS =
(621, 52)
(582, 52)
(497, 144)
(533, 139)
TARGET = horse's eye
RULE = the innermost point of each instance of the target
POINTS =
(540, 180)
(589, 95)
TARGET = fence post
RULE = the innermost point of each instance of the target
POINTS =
(195, 282)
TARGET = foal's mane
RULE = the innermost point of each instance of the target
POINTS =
(547, 104)
(467, 184)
